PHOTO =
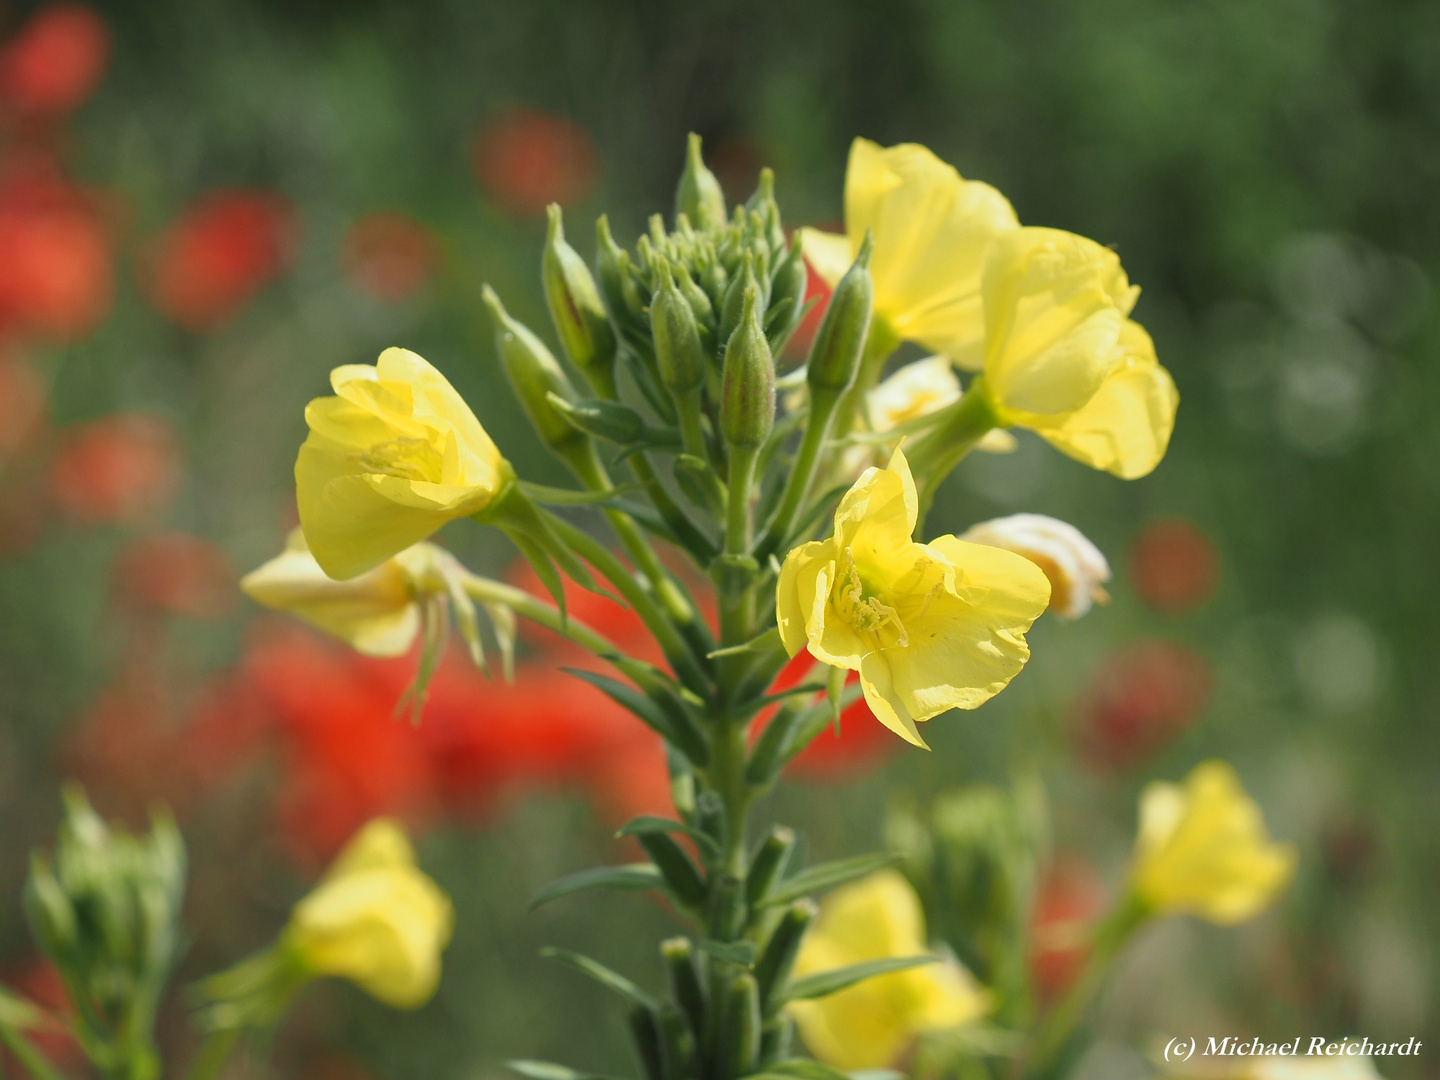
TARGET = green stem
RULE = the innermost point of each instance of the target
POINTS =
(214, 1052)
(737, 595)
(692, 434)
(823, 404)
(1059, 1027)
(879, 344)
(687, 667)
(31, 1060)
(958, 428)
(695, 542)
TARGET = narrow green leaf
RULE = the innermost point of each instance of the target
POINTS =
(815, 878)
(548, 1070)
(603, 975)
(805, 1069)
(553, 496)
(831, 982)
(734, 952)
(634, 877)
(647, 824)
(672, 727)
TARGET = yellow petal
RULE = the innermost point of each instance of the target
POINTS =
(1054, 306)
(931, 230)
(795, 592)
(1125, 427)
(877, 682)
(381, 843)
(829, 254)
(877, 515)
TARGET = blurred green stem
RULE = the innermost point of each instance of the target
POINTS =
(31, 1060)
(214, 1052)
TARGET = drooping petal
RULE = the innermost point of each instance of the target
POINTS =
(877, 681)
(1125, 427)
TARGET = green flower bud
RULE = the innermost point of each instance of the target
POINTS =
(772, 967)
(645, 1030)
(699, 302)
(575, 308)
(787, 294)
(677, 337)
(747, 393)
(613, 272)
(685, 986)
(698, 195)
(534, 373)
(840, 341)
(679, 872)
(734, 305)
(742, 1014)
(763, 204)
(49, 911)
(769, 863)
(776, 1038)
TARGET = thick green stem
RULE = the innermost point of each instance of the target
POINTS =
(214, 1052)
(690, 670)
(692, 433)
(823, 404)
(958, 428)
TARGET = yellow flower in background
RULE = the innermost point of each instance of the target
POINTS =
(931, 230)
(375, 919)
(1076, 568)
(1063, 358)
(375, 613)
(394, 456)
(1338, 1067)
(869, 1025)
(1203, 850)
(930, 627)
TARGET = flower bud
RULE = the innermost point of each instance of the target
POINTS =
(617, 290)
(772, 968)
(747, 395)
(787, 294)
(534, 373)
(742, 1011)
(1076, 568)
(685, 985)
(676, 867)
(677, 338)
(840, 341)
(649, 1042)
(699, 302)
(769, 863)
(734, 305)
(575, 308)
(762, 203)
(698, 195)
(607, 420)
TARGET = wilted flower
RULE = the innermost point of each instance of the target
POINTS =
(931, 229)
(869, 1025)
(374, 919)
(1076, 568)
(1062, 357)
(394, 456)
(389, 256)
(204, 269)
(56, 60)
(930, 627)
(123, 468)
(527, 159)
(1202, 849)
(1173, 565)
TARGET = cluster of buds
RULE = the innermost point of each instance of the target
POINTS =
(106, 912)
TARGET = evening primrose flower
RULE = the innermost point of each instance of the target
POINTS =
(930, 627)
(374, 919)
(1063, 358)
(392, 457)
(869, 1025)
(931, 229)
(1076, 568)
(1203, 850)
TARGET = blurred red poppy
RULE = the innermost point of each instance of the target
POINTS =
(526, 159)
(202, 270)
(177, 574)
(1071, 898)
(1140, 699)
(56, 60)
(815, 289)
(123, 468)
(24, 404)
(388, 256)
(1173, 565)
(55, 268)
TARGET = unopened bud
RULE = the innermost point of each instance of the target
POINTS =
(49, 911)
(743, 1021)
(612, 270)
(772, 967)
(747, 394)
(575, 308)
(763, 203)
(698, 195)
(840, 341)
(769, 863)
(676, 867)
(534, 373)
(607, 420)
(699, 302)
(685, 986)
(677, 337)
(734, 305)
(787, 293)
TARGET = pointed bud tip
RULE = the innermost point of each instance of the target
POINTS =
(867, 248)
(554, 223)
(692, 150)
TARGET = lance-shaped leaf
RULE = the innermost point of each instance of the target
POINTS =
(831, 982)
(826, 875)
(603, 975)
(741, 953)
(633, 877)
(672, 724)
(554, 496)
(548, 1070)
(649, 824)
(805, 1069)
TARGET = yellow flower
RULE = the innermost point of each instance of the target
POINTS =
(931, 230)
(1063, 358)
(930, 627)
(869, 1025)
(1076, 568)
(394, 456)
(375, 919)
(1203, 850)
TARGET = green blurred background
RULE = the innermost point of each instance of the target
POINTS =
(1268, 173)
